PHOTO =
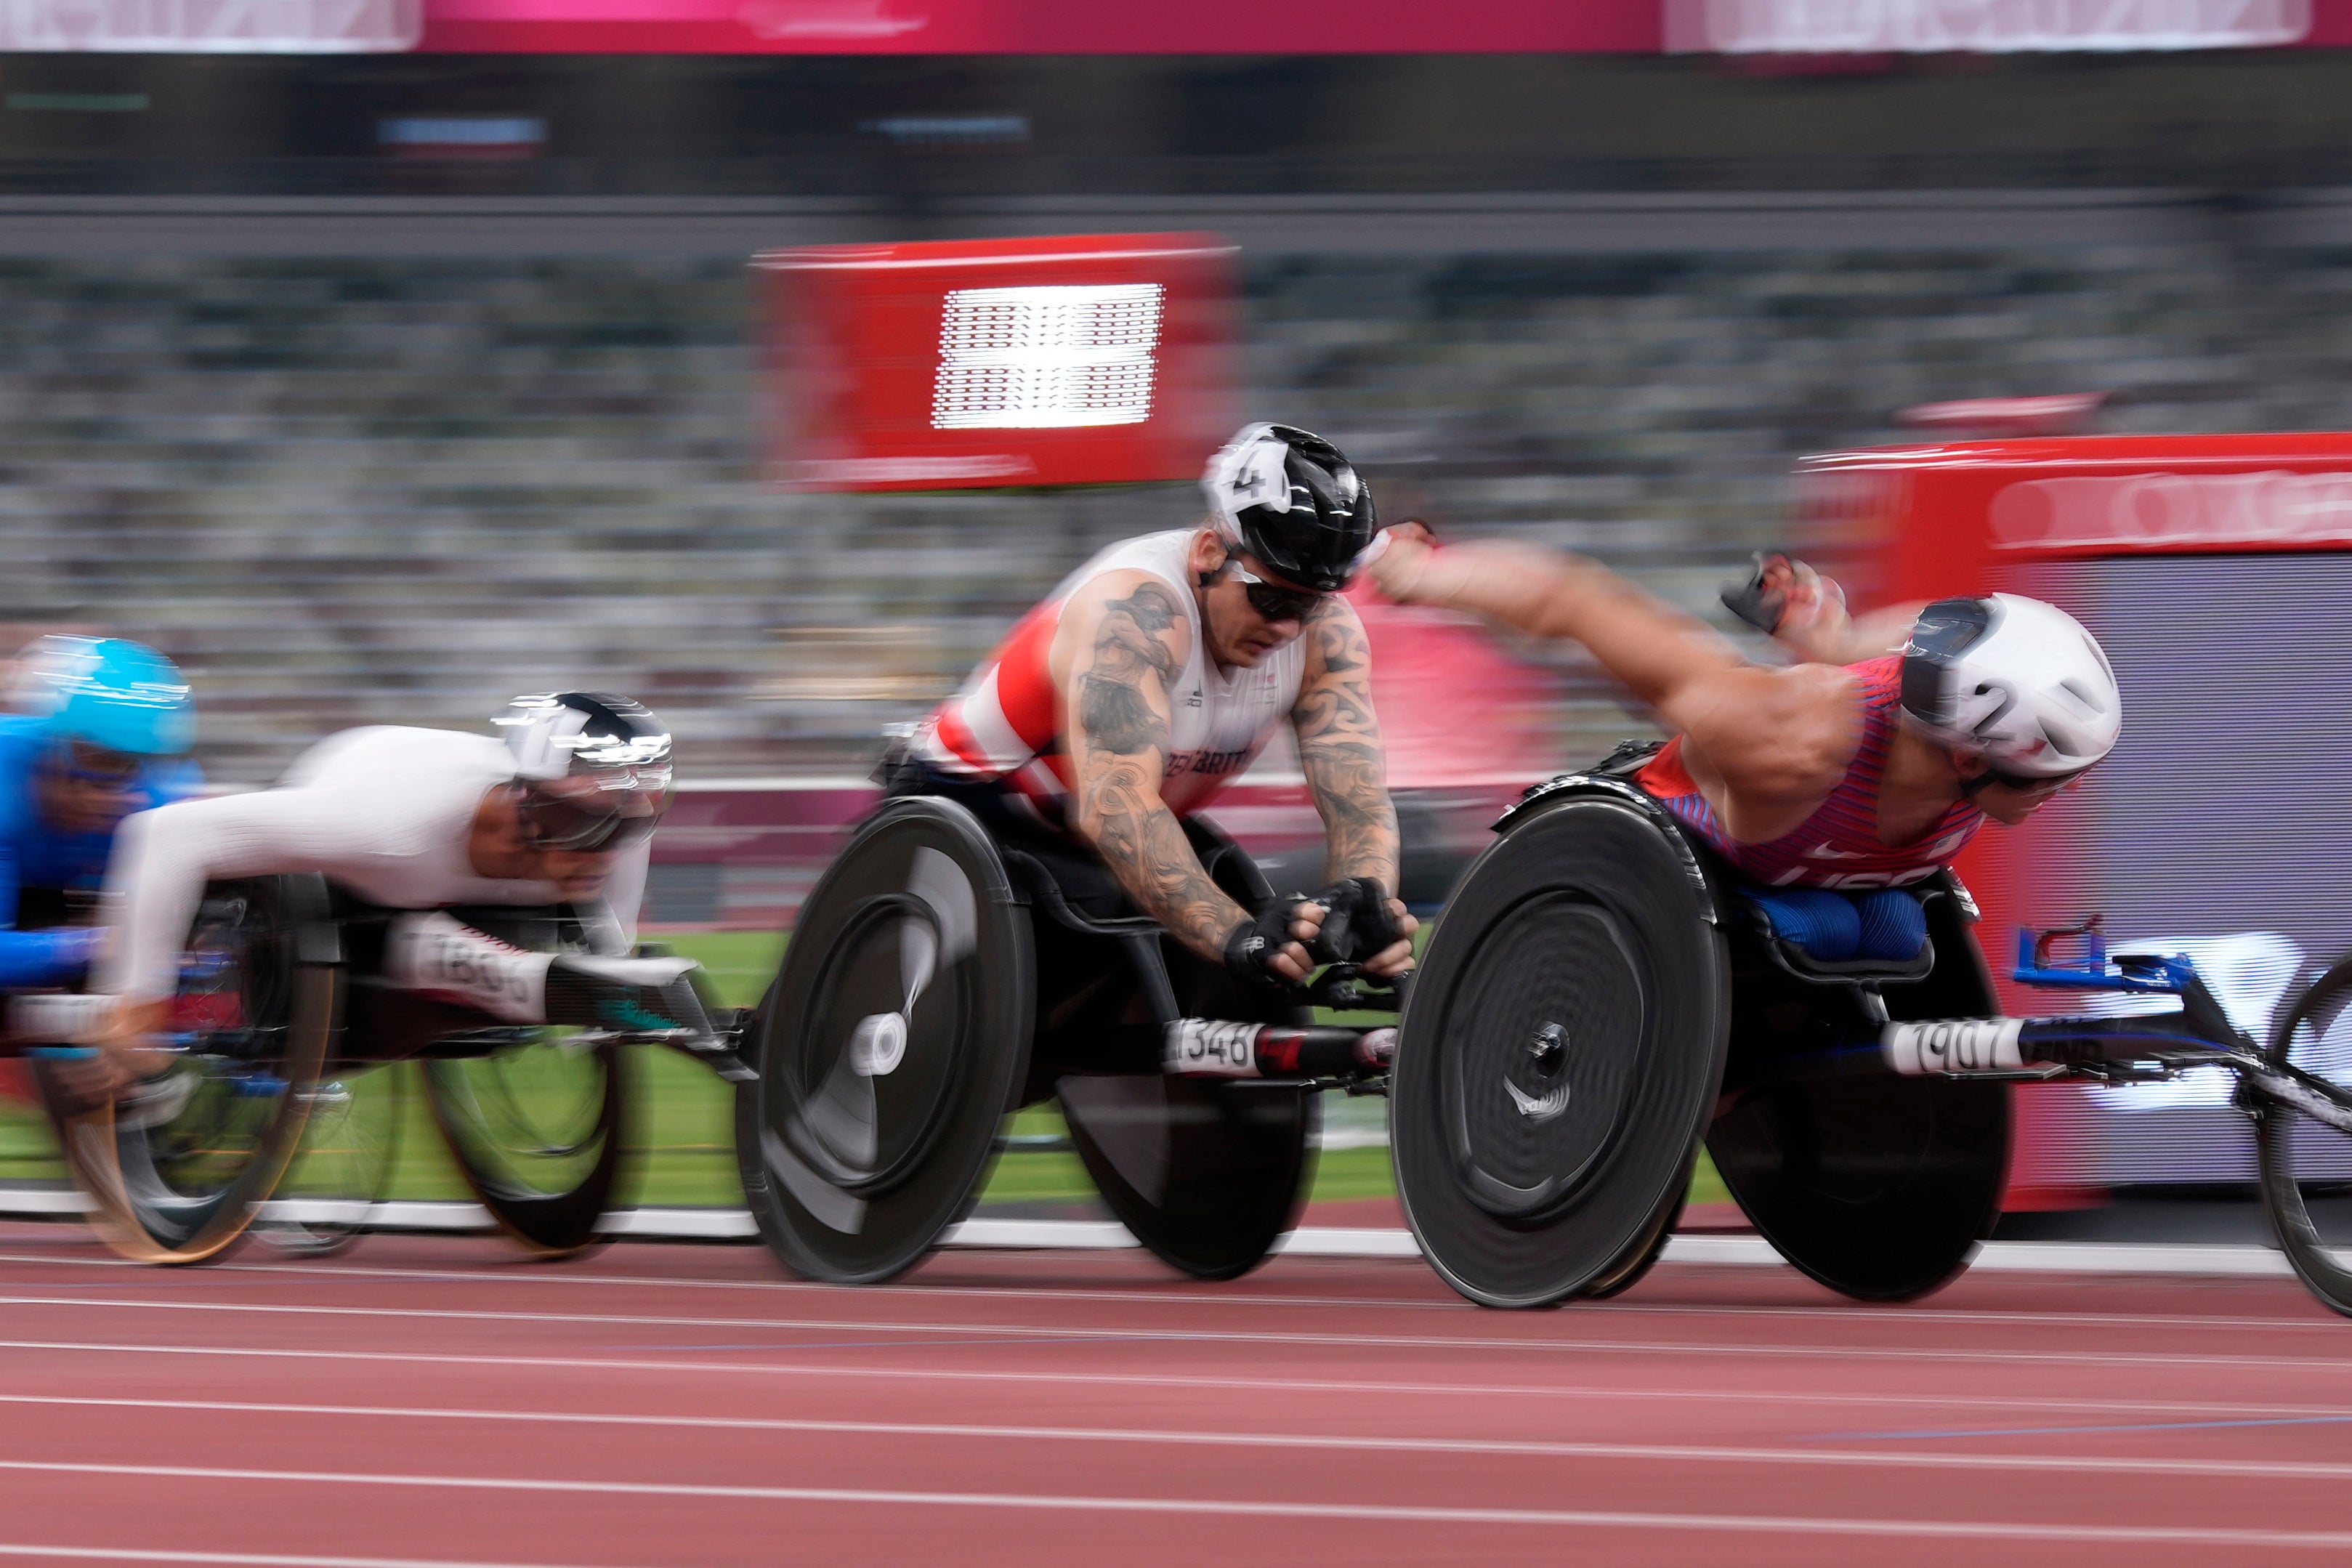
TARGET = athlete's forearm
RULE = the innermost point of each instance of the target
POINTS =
(1650, 645)
(1340, 753)
(1143, 844)
(1119, 744)
(162, 858)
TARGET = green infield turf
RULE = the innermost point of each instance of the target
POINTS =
(685, 1140)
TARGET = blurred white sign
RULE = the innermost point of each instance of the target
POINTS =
(212, 26)
(2172, 512)
(1981, 27)
(1051, 356)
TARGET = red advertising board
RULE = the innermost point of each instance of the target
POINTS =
(2217, 573)
(1072, 360)
(1801, 28)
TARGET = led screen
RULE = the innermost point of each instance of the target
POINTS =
(2221, 826)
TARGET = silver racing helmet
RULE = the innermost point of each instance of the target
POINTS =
(595, 769)
(2022, 683)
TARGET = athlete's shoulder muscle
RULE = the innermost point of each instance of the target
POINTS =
(1776, 745)
(1127, 612)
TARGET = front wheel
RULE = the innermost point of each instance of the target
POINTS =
(536, 1128)
(2306, 1165)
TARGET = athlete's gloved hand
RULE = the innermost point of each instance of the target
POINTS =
(1787, 600)
(1272, 946)
(1755, 598)
(1363, 925)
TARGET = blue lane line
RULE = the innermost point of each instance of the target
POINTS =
(2049, 1431)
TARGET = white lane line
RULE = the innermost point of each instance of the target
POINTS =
(1161, 1335)
(1673, 1453)
(813, 1371)
(1368, 1512)
(2314, 1321)
(249, 1559)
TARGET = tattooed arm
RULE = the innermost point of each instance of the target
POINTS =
(1347, 772)
(1125, 637)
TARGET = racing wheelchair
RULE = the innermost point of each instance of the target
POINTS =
(943, 974)
(1603, 995)
(283, 1008)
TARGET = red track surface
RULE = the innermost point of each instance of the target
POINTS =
(437, 1400)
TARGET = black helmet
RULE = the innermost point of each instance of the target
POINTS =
(594, 768)
(1290, 498)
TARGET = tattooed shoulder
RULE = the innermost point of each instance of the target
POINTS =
(1151, 607)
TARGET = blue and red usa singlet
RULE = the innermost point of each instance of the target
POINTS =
(1838, 846)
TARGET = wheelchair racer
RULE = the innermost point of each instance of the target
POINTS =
(561, 810)
(1865, 767)
(107, 735)
(1156, 673)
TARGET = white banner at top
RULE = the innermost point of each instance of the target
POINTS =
(212, 26)
(1979, 26)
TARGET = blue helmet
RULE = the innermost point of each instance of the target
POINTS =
(108, 692)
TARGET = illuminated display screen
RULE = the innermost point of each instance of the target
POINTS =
(2219, 826)
(1046, 357)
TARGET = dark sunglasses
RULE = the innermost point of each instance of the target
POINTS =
(1274, 604)
(84, 764)
(553, 823)
(2035, 783)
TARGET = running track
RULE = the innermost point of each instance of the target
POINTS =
(438, 1401)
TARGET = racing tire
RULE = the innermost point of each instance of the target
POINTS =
(537, 1129)
(259, 1010)
(350, 1147)
(2305, 1165)
(1880, 1186)
(1559, 1055)
(893, 1043)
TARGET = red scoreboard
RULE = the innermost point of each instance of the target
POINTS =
(1072, 360)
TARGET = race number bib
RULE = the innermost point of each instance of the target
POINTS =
(448, 958)
(1954, 1045)
(1205, 1048)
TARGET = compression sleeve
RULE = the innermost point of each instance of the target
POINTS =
(164, 858)
(614, 932)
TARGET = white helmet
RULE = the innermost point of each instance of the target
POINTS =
(2015, 679)
(594, 768)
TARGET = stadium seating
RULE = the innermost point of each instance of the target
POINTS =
(347, 491)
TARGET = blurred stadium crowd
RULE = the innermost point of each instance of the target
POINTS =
(347, 491)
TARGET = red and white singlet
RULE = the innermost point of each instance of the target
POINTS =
(1837, 845)
(1005, 722)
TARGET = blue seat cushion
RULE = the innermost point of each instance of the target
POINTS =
(1887, 923)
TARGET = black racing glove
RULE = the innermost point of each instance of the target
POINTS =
(1251, 946)
(1358, 923)
(1746, 598)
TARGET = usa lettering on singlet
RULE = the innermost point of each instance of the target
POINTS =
(1837, 845)
(1005, 722)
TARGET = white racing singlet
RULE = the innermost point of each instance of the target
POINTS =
(1005, 723)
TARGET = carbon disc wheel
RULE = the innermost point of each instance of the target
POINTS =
(1558, 1057)
(891, 1046)
(1879, 1186)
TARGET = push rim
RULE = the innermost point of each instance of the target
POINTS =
(254, 1021)
(351, 1145)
